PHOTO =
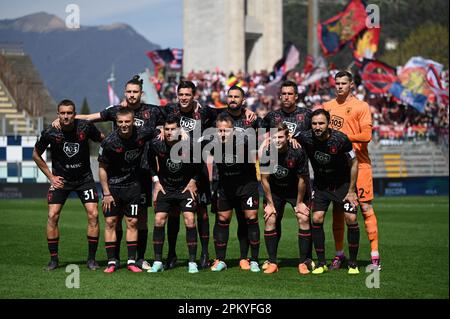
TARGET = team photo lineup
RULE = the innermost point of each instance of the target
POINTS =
(203, 165)
(224, 157)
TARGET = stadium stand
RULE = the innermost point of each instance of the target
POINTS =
(25, 103)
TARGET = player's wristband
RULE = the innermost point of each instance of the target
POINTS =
(155, 179)
(104, 195)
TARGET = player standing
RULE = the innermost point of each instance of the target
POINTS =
(71, 171)
(335, 171)
(352, 117)
(119, 162)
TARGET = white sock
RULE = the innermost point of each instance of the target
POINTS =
(340, 253)
(375, 253)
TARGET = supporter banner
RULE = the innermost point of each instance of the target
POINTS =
(335, 32)
(377, 77)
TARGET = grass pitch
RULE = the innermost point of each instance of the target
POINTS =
(413, 246)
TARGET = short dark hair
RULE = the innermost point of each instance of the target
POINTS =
(125, 111)
(66, 102)
(343, 73)
(289, 83)
(321, 111)
(136, 80)
(186, 85)
(172, 119)
(235, 87)
(225, 117)
(282, 127)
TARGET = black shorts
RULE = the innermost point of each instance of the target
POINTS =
(146, 188)
(85, 189)
(204, 188)
(165, 202)
(127, 201)
(323, 196)
(243, 197)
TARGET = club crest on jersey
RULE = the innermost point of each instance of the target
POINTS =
(322, 158)
(291, 126)
(132, 155)
(333, 149)
(138, 122)
(290, 163)
(81, 136)
(197, 116)
(173, 166)
(348, 110)
(280, 171)
(187, 123)
(119, 150)
(336, 122)
(229, 159)
(300, 117)
(146, 115)
(71, 148)
(277, 118)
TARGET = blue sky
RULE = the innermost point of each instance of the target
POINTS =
(161, 22)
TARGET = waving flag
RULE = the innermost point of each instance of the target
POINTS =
(365, 45)
(177, 62)
(291, 57)
(113, 99)
(319, 71)
(160, 59)
(435, 84)
(335, 32)
(377, 77)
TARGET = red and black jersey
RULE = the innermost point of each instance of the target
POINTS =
(329, 158)
(298, 120)
(198, 118)
(285, 172)
(175, 172)
(123, 156)
(149, 114)
(234, 161)
(70, 150)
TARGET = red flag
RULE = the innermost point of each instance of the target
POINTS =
(335, 32)
(365, 45)
(377, 77)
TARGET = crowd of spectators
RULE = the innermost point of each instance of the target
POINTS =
(393, 122)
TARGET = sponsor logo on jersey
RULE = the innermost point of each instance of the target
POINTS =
(71, 149)
(72, 166)
(132, 155)
(322, 158)
(229, 159)
(336, 122)
(173, 166)
(138, 122)
(280, 171)
(187, 123)
(291, 126)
